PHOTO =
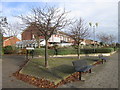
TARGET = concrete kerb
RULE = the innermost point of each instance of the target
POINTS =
(104, 54)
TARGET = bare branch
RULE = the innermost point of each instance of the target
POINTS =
(106, 38)
(79, 30)
(13, 29)
(47, 21)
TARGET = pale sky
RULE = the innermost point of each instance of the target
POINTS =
(104, 12)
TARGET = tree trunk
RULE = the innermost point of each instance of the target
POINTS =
(1, 45)
(46, 53)
(79, 51)
(38, 44)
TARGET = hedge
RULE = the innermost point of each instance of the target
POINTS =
(41, 51)
(66, 51)
(60, 51)
(98, 50)
(8, 50)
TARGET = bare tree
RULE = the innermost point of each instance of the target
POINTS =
(47, 20)
(79, 31)
(112, 38)
(106, 38)
(13, 29)
(103, 37)
(3, 24)
(37, 35)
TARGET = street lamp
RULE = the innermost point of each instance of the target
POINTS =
(95, 25)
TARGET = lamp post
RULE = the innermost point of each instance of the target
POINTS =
(94, 26)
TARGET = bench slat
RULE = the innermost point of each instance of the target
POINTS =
(81, 65)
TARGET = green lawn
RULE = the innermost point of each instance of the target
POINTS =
(59, 68)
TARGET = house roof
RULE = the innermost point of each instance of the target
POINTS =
(4, 38)
(88, 41)
(61, 32)
(34, 29)
(30, 28)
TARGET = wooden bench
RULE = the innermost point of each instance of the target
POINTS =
(81, 66)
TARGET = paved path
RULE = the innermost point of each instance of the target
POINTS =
(10, 64)
(104, 76)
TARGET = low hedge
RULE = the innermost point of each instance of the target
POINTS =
(8, 50)
(98, 50)
(67, 51)
(59, 51)
(41, 51)
(62, 51)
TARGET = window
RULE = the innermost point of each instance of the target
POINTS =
(33, 36)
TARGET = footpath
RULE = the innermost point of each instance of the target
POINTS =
(104, 76)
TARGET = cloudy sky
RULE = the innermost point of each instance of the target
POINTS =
(104, 12)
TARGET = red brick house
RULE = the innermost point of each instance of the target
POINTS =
(61, 38)
(9, 41)
(30, 32)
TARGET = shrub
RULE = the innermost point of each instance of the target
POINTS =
(41, 51)
(84, 51)
(59, 51)
(115, 48)
(8, 50)
(97, 50)
(105, 50)
(22, 51)
(67, 51)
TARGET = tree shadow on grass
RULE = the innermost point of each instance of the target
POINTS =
(38, 64)
(67, 69)
(59, 71)
(62, 70)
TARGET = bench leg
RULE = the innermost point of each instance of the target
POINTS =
(90, 70)
(80, 75)
(102, 61)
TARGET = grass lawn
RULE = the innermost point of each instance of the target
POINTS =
(59, 68)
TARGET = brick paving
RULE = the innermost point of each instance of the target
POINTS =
(104, 76)
(10, 64)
